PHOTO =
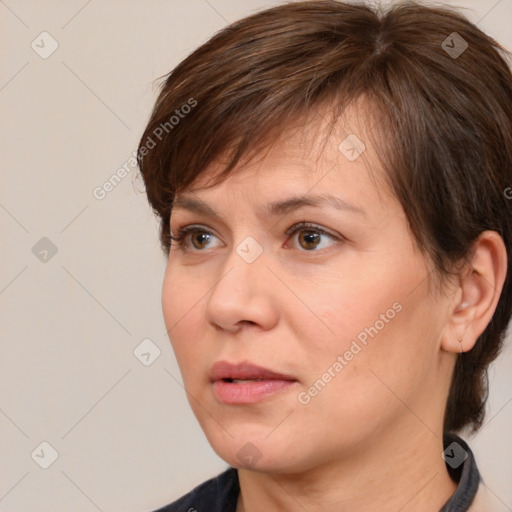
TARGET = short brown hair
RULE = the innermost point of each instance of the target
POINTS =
(445, 110)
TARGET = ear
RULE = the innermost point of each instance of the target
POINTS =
(477, 294)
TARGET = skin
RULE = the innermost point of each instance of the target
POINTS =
(372, 438)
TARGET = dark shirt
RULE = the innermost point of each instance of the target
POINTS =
(220, 494)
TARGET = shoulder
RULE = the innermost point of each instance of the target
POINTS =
(219, 494)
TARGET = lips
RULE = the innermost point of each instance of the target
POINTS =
(223, 370)
(245, 383)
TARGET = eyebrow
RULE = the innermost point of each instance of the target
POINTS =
(275, 208)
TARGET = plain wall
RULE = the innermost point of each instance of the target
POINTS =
(70, 321)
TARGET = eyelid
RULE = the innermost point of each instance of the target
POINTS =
(305, 225)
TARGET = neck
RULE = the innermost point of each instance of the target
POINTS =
(405, 472)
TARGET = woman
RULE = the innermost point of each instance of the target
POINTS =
(331, 182)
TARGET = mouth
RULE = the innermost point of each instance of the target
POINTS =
(246, 383)
(237, 381)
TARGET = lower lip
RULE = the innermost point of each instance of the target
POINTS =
(248, 392)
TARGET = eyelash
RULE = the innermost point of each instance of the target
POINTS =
(179, 239)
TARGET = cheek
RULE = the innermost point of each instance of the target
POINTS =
(353, 385)
(368, 325)
(349, 306)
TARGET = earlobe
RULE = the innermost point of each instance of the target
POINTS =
(480, 285)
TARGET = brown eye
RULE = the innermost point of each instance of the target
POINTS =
(201, 237)
(310, 236)
(309, 239)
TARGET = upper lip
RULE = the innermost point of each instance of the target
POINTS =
(244, 371)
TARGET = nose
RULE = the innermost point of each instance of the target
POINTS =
(242, 293)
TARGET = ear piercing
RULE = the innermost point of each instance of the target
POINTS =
(460, 341)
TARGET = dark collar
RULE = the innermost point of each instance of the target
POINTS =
(465, 474)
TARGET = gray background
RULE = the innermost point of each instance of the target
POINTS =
(123, 431)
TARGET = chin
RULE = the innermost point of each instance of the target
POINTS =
(252, 448)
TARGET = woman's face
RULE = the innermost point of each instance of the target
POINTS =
(338, 313)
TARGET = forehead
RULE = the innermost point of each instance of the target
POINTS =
(311, 152)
